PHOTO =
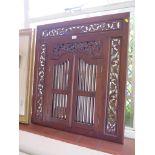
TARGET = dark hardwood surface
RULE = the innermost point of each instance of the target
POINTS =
(128, 148)
(79, 84)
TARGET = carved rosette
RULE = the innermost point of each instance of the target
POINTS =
(112, 106)
(95, 27)
(91, 47)
(40, 82)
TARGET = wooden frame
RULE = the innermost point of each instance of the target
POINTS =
(26, 63)
(97, 42)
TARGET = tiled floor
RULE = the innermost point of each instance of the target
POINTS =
(128, 148)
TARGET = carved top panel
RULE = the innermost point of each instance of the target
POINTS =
(85, 28)
(92, 47)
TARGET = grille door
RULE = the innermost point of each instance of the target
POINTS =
(58, 91)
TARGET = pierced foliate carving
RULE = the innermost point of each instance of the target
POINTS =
(94, 27)
(40, 84)
(111, 122)
(91, 47)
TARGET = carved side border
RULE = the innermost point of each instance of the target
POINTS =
(40, 82)
(111, 126)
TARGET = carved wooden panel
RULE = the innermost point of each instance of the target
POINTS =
(80, 76)
(40, 82)
(112, 104)
(85, 28)
(88, 47)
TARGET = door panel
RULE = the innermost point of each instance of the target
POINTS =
(73, 73)
(58, 91)
(86, 88)
(86, 104)
(60, 82)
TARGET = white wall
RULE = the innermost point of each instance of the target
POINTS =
(39, 145)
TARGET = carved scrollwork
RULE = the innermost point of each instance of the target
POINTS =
(111, 122)
(91, 47)
(40, 83)
(94, 27)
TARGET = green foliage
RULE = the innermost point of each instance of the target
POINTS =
(129, 111)
(129, 115)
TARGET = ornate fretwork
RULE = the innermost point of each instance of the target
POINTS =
(91, 47)
(93, 27)
(40, 83)
(111, 122)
